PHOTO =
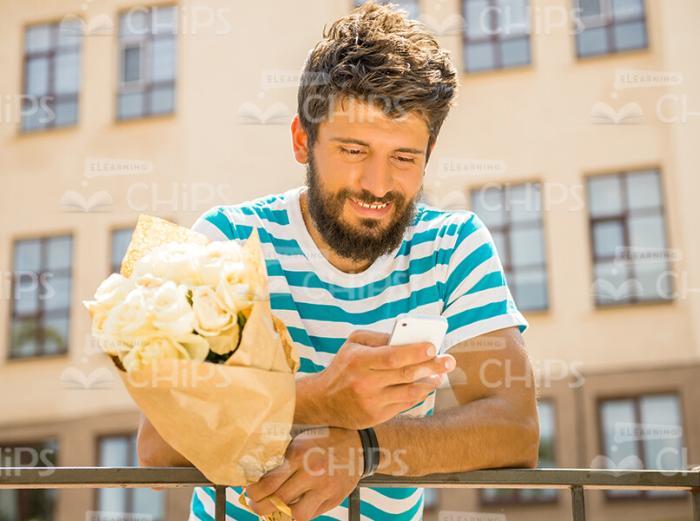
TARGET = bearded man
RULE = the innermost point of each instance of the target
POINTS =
(348, 253)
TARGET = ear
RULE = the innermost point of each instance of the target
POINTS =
(300, 141)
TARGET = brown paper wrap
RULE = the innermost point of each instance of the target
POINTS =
(232, 421)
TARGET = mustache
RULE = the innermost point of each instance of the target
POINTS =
(367, 197)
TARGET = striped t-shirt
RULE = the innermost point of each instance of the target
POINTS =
(446, 265)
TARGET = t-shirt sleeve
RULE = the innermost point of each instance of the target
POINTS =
(475, 293)
(215, 224)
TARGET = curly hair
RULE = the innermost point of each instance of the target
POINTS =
(375, 54)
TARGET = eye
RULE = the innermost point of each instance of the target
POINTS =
(354, 152)
(406, 159)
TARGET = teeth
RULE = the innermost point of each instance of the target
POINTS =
(372, 206)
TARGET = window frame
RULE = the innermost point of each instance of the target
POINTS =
(112, 230)
(608, 22)
(145, 85)
(624, 218)
(506, 228)
(39, 354)
(495, 40)
(636, 398)
(132, 440)
(50, 54)
(34, 442)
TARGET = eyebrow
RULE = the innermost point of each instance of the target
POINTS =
(349, 140)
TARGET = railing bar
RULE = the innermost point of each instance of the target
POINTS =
(220, 504)
(695, 497)
(578, 503)
(354, 505)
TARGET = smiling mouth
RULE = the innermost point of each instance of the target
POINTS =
(376, 206)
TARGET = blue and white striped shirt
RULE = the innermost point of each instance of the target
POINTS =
(446, 265)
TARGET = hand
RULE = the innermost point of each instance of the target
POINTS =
(321, 468)
(369, 382)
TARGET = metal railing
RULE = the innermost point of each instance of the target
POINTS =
(576, 480)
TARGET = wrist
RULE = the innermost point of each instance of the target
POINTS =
(310, 409)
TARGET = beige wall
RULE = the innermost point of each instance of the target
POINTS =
(535, 119)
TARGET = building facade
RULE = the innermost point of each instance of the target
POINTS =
(575, 138)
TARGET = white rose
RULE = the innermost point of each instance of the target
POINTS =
(211, 317)
(226, 342)
(173, 261)
(171, 310)
(130, 318)
(214, 257)
(153, 348)
(110, 292)
(195, 345)
(113, 346)
(232, 290)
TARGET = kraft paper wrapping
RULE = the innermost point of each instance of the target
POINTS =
(232, 421)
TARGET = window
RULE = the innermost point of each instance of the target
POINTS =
(412, 7)
(51, 75)
(642, 432)
(120, 242)
(610, 26)
(41, 295)
(141, 503)
(513, 215)
(547, 459)
(147, 62)
(23, 504)
(630, 258)
(497, 34)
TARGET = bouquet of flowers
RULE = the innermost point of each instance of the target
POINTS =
(188, 324)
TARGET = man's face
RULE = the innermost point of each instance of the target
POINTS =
(365, 174)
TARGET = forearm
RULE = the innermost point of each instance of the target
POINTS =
(486, 433)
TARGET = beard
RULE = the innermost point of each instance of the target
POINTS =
(369, 240)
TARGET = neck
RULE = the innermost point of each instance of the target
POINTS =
(341, 263)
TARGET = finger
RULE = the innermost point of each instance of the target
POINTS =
(369, 338)
(395, 357)
(412, 373)
(410, 393)
(262, 508)
(326, 506)
(439, 365)
(294, 487)
(305, 508)
(270, 482)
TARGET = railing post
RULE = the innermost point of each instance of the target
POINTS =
(354, 505)
(220, 504)
(578, 504)
(695, 497)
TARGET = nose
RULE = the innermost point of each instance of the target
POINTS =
(376, 177)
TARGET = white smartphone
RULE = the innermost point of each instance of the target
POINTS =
(413, 329)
